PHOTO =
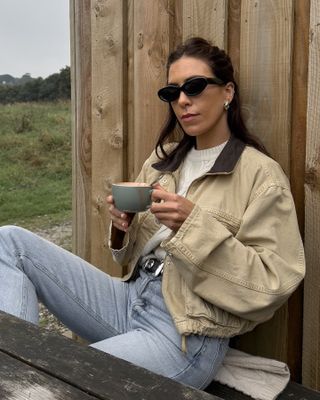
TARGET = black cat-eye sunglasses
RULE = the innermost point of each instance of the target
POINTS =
(191, 87)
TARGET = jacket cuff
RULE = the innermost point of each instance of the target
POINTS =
(118, 254)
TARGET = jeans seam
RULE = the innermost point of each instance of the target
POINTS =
(71, 295)
(196, 358)
(191, 363)
(24, 299)
(205, 382)
(24, 294)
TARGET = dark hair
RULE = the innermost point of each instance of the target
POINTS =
(221, 66)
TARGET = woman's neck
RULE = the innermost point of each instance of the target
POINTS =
(206, 142)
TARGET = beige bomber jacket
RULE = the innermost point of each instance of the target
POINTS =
(237, 257)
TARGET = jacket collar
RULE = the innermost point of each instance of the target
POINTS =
(225, 162)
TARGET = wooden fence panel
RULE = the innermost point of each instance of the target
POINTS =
(205, 18)
(108, 117)
(311, 338)
(82, 127)
(265, 73)
(297, 167)
(151, 28)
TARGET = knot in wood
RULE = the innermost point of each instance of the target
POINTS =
(100, 9)
(140, 40)
(312, 178)
(107, 184)
(99, 105)
(116, 140)
(99, 203)
(110, 42)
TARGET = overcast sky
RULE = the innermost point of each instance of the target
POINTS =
(34, 37)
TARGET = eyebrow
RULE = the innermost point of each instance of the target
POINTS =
(189, 77)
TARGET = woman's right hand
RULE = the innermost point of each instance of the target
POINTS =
(120, 219)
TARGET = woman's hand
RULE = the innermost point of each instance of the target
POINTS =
(170, 209)
(120, 219)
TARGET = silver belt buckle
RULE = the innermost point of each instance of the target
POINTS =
(148, 264)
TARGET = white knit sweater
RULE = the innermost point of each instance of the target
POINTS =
(195, 164)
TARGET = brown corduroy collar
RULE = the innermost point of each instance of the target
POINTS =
(225, 162)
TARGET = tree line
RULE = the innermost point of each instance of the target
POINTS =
(55, 87)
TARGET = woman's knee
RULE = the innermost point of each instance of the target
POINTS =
(12, 232)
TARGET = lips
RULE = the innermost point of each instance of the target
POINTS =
(188, 117)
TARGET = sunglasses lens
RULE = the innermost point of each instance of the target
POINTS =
(169, 93)
(194, 86)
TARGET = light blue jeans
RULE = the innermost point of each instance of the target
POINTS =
(127, 319)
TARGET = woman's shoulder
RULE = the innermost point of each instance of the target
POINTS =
(263, 166)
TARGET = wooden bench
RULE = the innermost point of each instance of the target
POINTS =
(39, 365)
(293, 391)
(36, 364)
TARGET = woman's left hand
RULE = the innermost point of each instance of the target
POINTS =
(170, 209)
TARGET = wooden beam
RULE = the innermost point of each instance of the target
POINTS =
(265, 73)
(81, 126)
(265, 87)
(108, 18)
(311, 328)
(234, 31)
(150, 51)
(297, 166)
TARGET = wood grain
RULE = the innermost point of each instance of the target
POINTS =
(108, 115)
(265, 87)
(297, 166)
(206, 18)
(266, 73)
(81, 127)
(151, 49)
(234, 31)
(96, 373)
(311, 311)
(19, 381)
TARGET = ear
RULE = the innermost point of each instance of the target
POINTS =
(229, 90)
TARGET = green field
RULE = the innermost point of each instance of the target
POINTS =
(35, 163)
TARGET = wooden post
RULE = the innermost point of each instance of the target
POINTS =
(150, 49)
(265, 87)
(297, 166)
(108, 118)
(311, 331)
(82, 128)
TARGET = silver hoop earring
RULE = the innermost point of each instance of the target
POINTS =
(226, 105)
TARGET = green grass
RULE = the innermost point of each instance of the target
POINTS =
(35, 163)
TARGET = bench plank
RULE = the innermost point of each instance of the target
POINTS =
(293, 391)
(19, 381)
(88, 369)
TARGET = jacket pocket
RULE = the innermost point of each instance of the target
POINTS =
(227, 220)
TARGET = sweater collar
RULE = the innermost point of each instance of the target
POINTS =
(225, 162)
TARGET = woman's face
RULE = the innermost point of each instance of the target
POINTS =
(202, 116)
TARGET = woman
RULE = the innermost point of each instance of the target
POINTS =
(216, 254)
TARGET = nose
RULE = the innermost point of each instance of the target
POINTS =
(183, 99)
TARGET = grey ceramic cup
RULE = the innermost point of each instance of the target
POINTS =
(131, 197)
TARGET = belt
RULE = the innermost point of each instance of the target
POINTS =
(152, 266)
